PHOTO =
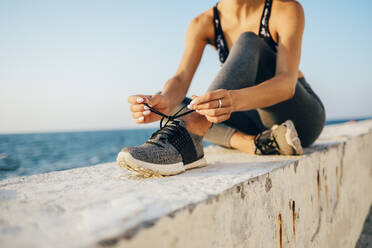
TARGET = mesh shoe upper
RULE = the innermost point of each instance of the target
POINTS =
(170, 144)
(266, 143)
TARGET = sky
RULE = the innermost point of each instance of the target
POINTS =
(71, 65)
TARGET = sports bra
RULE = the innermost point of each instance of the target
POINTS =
(219, 38)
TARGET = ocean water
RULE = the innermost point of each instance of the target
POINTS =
(28, 154)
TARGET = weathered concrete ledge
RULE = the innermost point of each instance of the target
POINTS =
(317, 200)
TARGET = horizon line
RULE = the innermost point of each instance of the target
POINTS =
(136, 127)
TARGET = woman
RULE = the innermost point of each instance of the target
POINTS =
(255, 102)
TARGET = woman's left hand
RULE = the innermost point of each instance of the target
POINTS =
(216, 106)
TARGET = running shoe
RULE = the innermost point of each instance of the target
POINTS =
(280, 139)
(169, 151)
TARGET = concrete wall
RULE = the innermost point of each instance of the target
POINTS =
(319, 199)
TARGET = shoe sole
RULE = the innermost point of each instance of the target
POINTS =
(126, 160)
(292, 137)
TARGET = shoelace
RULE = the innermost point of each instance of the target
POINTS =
(169, 117)
(168, 130)
(266, 145)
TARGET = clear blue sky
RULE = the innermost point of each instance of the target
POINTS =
(68, 65)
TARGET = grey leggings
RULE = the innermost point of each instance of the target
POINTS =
(250, 62)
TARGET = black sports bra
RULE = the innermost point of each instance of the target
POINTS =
(219, 38)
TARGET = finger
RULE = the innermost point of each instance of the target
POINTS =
(138, 108)
(218, 119)
(209, 96)
(151, 118)
(209, 105)
(137, 115)
(147, 117)
(191, 106)
(213, 104)
(140, 120)
(134, 99)
(214, 112)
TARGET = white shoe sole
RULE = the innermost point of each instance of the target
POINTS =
(291, 137)
(126, 160)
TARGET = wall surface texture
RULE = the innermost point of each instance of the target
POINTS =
(319, 199)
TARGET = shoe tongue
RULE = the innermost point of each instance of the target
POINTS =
(180, 122)
(157, 137)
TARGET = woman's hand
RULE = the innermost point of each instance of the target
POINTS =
(216, 106)
(141, 113)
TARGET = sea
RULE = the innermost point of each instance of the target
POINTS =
(35, 153)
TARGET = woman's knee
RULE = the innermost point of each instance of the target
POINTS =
(250, 47)
(249, 40)
(248, 36)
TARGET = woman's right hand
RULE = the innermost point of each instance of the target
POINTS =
(141, 113)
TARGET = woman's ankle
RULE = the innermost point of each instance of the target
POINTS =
(243, 142)
(196, 124)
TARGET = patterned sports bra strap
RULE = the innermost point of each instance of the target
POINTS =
(216, 21)
(264, 24)
(219, 37)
